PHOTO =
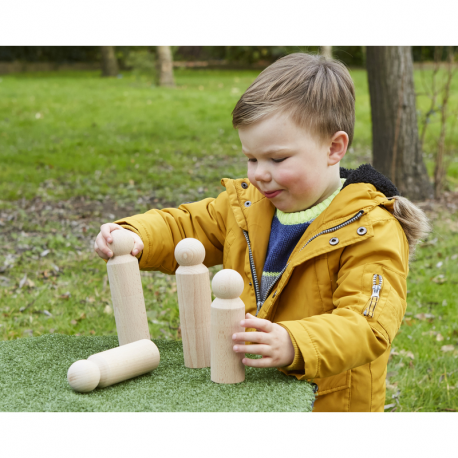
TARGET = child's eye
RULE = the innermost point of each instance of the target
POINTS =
(279, 160)
(252, 160)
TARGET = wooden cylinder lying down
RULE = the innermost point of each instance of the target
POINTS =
(113, 366)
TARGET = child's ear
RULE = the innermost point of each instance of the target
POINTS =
(338, 147)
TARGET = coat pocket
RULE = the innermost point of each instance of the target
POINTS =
(337, 382)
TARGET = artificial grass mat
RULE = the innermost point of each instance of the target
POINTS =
(33, 378)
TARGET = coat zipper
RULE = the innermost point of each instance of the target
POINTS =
(253, 274)
(370, 307)
(260, 301)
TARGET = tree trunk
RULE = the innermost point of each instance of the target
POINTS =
(326, 51)
(396, 149)
(165, 64)
(109, 61)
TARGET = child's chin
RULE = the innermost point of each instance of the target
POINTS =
(285, 208)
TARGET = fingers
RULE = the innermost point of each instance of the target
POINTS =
(257, 323)
(106, 229)
(263, 362)
(101, 248)
(99, 252)
(263, 350)
(138, 244)
(104, 237)
(258, 337)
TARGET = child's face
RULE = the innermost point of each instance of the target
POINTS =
(292, 168)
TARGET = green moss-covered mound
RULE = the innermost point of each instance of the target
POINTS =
(33, 378)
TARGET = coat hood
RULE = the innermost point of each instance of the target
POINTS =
(365, 173)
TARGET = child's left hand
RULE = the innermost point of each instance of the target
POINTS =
(273, 343)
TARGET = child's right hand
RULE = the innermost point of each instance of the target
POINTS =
(104, 237)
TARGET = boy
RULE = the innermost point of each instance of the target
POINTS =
(332, 244)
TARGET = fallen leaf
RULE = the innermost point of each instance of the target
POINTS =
(439, 279)
(424, 316)
(409, 354)
(22, 282)
(73, 322)
(439, 337)
(429, 333)
(446, 348)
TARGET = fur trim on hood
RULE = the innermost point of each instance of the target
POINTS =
(413, 220)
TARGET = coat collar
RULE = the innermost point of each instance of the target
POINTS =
(253, 212)
(364, 189)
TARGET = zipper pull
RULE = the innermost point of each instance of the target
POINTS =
(376, 288)
(258, 307)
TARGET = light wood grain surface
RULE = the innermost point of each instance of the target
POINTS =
(194, 302)
(126, 290)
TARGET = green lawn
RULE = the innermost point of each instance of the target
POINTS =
(33, 378)
(77, 150)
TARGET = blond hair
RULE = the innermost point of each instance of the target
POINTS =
(318, 94)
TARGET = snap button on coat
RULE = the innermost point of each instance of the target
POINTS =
(247, 203)
(361, 230)
(244, 185)
(334, 241)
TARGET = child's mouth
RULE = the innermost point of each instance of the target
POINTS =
(271, 195)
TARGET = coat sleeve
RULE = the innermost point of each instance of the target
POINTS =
(332, 343)
(161, 230)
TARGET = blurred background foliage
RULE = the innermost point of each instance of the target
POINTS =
(352, 56)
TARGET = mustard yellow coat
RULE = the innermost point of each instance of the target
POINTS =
(321, 297)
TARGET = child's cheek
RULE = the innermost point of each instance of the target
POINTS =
(250, 174)
(290, 178)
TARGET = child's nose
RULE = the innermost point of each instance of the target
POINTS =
(262, 174)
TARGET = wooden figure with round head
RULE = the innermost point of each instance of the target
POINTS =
(194, 302)
(113, 366)
(227, 311)
(126, 290)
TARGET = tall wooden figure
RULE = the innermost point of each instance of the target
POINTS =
(126, 290)
(194, 302)
(228, 310)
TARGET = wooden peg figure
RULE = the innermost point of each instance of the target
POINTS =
(126, 290)
(113, 366)
(227, 311)
(194, 302)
